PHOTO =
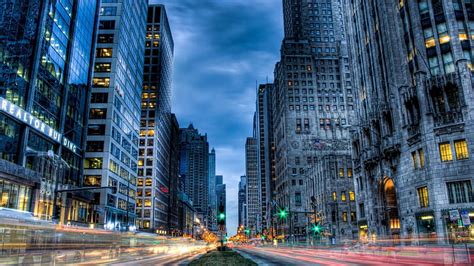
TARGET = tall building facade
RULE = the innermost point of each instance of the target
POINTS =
(242, 204)
(413, 140)
(194, 169)
(266, 162)
(221, 197)
(173, 205)
(111, 157)
(212, 191)
(312, 102)
(155, 127)
(253, 183)
(45, 75)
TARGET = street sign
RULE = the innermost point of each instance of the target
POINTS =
(465, 217)
(454, 215)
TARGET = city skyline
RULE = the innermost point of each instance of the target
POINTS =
(234, 57)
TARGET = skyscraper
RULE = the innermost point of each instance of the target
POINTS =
(221, 197)
(212, 191)
(414, 130)
(194, 169)
(312, 103)
(45, 72)
(242, 208)
(155, 126)
(173, 213)
(266, 162)
(252, 190)
(114, 113)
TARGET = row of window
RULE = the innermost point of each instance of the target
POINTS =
(343, 196)
(460, 147)
(458, 192)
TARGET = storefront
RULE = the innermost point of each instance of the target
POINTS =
(14, 195)
(363, 231)
(459, 225)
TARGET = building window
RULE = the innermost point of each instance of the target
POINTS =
(343, 196)
(460, 147)
(341, 172)
(103, 67)
(421, 155)
(460, 192)
(108, 11)
(96, 130)
(351, 196)
(105, 38)
(349, 172)
(344, 216)
(98, 113)
(101, 82)
(106, 24)
(334, 196)
(95, 146)
(298, 198)
(362, 210)
(92, 180)
(103, 52)
(353, 217)
(423, 197)
(99, 97)
(93, 163)
(414, 158)
(445, 152)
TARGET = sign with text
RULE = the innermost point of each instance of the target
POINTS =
(20, 114)
(466, 220)
(454, 215)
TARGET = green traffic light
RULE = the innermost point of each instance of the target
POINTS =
(221, 216)
(316, 228)
(247, 231)
(282, 213)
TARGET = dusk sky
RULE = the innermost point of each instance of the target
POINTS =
(222, 48)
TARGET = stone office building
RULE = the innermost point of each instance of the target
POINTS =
(413, 140)
(45, 72)
(312, 103)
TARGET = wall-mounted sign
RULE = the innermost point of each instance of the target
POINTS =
(454, 215)
(466, 220)
(20, 114)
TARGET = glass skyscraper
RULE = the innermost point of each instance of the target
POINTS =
(155, 128)
(114, 113)
(45, 69)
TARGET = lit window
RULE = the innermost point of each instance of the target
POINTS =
(430, 43)
(344, 216)
(93, 163)
(421, 155)
(351, 196)
(147, 202)
(349, 172)
(341, 172)
(461, 149)
(343, 196)
(423, 196)
(148, 182)
(445, 152)
(334, 196)
(462, 36)
(444, 39)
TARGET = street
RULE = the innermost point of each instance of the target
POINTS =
(377, 256)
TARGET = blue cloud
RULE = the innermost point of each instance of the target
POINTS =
(222, 47)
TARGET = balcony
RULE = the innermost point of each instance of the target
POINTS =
(390, 145)
(447, 118)
(414, 135)
(448, 122)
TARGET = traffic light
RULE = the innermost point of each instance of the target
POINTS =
(221, 215)
(247, 231)
(316, 229)
(282, 213)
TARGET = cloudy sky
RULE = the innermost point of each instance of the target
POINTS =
(222, 48)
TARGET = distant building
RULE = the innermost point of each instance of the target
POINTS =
(174, 177)
(194, 169)
(242, 204)
(221, 197)
(155, 126)
(312, 104)
(212, 217)
(266, 161)
(252, 189)
(114, 112)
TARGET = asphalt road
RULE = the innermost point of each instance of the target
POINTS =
(383, 256)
